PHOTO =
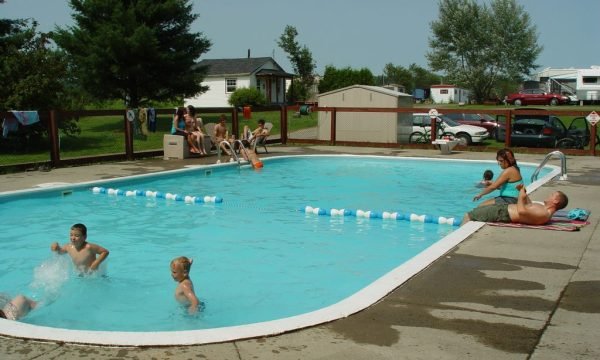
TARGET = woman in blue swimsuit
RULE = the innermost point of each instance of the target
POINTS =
(507, 181)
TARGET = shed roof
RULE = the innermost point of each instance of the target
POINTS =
(240, 66)
(377, 89)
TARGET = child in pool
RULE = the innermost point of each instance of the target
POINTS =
(17, 307)
(184, 292)
(86, 256)
(488, 175)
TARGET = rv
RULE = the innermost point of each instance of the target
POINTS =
(582, 83)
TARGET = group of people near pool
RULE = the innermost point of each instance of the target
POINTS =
(512, 205)
(87, 258)
(190, 126)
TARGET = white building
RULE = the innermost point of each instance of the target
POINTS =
(449, 94)
(224, 76)
(585, 83)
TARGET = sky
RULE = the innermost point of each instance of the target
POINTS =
(354, 33)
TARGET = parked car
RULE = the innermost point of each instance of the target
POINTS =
(536, 97)
(537, 130)
(484, 120)
(465, 134)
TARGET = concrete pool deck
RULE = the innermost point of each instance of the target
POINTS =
(503, 293)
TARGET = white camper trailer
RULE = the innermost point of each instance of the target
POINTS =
(584, 83)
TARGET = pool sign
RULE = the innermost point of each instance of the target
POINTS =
(593, 118)
(433, 113)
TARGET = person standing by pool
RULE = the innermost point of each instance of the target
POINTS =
(86, 256)
(184, 292)
(507, 182)
(17, 307)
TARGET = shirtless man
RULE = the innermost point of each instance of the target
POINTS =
(86, 256)
(221, 134)
(524, 211)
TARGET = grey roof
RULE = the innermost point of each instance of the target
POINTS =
(378, 89)
(236, 66)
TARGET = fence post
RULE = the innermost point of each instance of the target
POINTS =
(235, 123)
(333, 125)
(283, 122)
(128, 137)
(508, 131)
(54, 140)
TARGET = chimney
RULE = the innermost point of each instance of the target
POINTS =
(248, 53)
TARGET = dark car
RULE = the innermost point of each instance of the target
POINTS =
(536, 97)
(482, 120)
(539, 129)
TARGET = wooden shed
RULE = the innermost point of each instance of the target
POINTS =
(380, 127)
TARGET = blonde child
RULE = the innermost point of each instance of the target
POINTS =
(184, 292)
(86, 256)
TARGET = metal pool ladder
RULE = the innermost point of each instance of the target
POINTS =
(563, 165)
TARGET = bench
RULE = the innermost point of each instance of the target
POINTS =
(176, 147)
(446, 146)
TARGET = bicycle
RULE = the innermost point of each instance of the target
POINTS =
(578, 135)
(424, 137)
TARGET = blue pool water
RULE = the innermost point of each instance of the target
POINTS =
(256, 257)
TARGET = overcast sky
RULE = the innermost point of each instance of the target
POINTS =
(353, 33)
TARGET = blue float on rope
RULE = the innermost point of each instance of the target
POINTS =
(383, 215)
(159, 195)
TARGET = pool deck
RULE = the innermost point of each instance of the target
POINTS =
(503, 293)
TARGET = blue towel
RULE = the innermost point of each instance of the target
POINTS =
(578, 214)
(26, 117)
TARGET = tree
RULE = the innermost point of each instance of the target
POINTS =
(339, 78)
(247, 96)
(477, 45)
(31, 73)
(398, 75)
(137, 51)
(302, 62)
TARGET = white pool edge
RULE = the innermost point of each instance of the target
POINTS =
(348, 306)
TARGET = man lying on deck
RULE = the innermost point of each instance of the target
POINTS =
(523, 212)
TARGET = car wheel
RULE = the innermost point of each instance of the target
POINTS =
(553, 101)
(463, 139)
(416, 138)
(518, 102)
(566, 143)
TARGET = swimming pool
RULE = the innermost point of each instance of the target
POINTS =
(254, 242)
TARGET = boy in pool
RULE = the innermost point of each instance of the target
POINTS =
(17, 307)
(86, 256)
(184, 292)
(488, 175)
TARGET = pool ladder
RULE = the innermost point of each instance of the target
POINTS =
(234, 155)
(563, 165)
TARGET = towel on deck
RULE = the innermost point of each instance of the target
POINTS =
(563, 220)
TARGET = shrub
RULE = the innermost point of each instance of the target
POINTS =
(247, 96)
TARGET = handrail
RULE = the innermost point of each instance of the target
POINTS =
(233, 154)
(563, 165)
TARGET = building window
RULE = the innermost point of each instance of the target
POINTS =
(443, 91)
(590, 80)
(230, 85)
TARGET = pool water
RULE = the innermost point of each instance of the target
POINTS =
(256, 256)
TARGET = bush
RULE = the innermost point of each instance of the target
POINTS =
(247, 96)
